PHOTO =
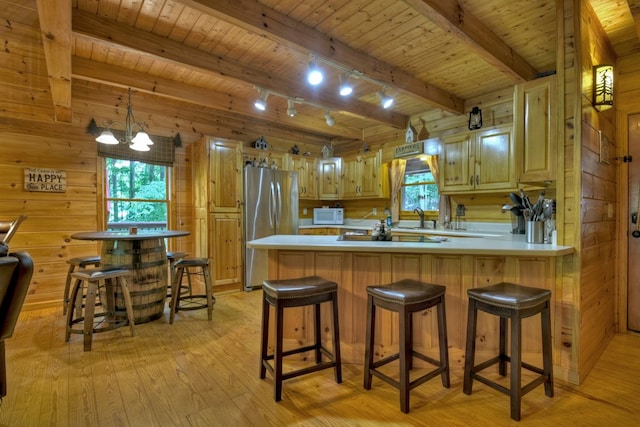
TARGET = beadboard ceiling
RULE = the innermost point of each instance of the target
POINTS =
(435, 57)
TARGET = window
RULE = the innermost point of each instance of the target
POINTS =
(136, 195)
(419, 189)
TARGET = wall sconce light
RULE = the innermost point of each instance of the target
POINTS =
(291, 108)
(345, 88)
(475, 118)
(261, 102)
(329, 119)
(314, 75)
(602, 87)
(385, 100)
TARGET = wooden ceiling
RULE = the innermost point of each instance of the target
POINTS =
(207, 57)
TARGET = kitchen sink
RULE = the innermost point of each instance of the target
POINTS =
(417, 238)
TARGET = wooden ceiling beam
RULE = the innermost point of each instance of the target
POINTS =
(257, 18)
(224, 104)
(55, 27)
(127, 37)
(451, 17)
(634, 8)
(180, 116)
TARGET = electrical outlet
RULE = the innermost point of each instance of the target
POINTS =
(610, 210)
(375, 211)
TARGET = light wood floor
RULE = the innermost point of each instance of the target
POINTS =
(200, 373)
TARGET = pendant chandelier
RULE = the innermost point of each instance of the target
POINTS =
(139, 142)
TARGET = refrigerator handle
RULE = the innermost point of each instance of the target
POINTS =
(278, 209)
(272, 206)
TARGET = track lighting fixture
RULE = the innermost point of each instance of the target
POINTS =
(314, 75)
(329, 119)
(261, 102)
(385, 100)
(345, 88)
(291, 108)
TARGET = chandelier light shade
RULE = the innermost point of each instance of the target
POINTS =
(139, 142)
(385, 100)
(315, 74)
(291, 108)
(602, 87)
(261, 102)
(345, 88)
(329, 119)
(475, 118)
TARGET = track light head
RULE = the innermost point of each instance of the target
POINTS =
(345, 88)
(329, 119)
(385, 100)
(261, 102)
(314, 75)
(291, 108)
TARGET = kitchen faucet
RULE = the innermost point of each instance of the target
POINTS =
(420, 213)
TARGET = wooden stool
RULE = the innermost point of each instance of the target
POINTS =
(174, 257)
(513, 302)
(109, 281)
(79, 263)
(300, 292)
(190, 267)
(406, 297)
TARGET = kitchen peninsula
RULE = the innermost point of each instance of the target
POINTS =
(459, 263)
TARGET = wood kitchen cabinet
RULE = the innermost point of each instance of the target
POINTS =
(363, 175)
(329, 173)
(478, 161)
(225, 260)
(306, 167)
(535, 130)
(218, 209)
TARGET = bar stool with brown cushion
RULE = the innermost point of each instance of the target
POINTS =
(77, 263)
(181, 301)
(107, 283)
(406, 297)
(281, 294)
(510, 301)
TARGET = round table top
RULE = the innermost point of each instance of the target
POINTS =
(125, 235)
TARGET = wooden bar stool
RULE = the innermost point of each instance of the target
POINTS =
(191, 267)
(406, 297)
(514, 302)
(79, 263)
(109, 283)
(173, 258)
(280, 294)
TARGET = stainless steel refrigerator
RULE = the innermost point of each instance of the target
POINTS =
(270, 207)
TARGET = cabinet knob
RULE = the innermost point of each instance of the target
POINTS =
(477, 179)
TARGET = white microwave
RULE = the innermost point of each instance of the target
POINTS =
(328, 216)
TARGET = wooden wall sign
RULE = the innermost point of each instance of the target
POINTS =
(47, 180)
(409, 149)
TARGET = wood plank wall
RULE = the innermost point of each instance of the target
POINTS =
(597, 216)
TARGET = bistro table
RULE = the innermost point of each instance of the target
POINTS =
(144, 254)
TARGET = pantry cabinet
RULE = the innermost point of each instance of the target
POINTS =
(478, 161)
(218, 209)
(535, 127)
(363, 176)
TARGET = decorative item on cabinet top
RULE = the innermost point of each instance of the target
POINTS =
(261, 143)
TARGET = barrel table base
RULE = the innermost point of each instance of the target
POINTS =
(147, 261)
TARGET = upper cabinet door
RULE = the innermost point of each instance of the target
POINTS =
(535, 127)
(329, 171)
(225, 174)
(494, 159)
(457, 164)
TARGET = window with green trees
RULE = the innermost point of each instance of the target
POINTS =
(419, 189)
(136, 195)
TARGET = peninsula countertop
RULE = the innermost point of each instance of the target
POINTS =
(507, 245)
